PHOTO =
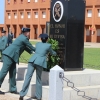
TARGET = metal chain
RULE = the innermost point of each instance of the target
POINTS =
(71, 85)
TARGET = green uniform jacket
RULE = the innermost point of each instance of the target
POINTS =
(3, 42)
(40, 56)
(17, 47)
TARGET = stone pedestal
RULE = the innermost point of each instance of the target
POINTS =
(67, 20)
(55, 84)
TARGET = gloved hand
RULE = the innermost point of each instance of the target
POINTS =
(33, 52)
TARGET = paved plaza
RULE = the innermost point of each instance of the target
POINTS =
(8, 96)
(91, 45)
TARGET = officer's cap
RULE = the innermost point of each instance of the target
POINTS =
(44, 35)
(25, 29)
(3, 31)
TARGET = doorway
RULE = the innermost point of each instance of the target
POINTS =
(35, 31)
(14, 31)
(88, 35)
(28, 26)
(20, 27)
(43, 28)
(98, 35)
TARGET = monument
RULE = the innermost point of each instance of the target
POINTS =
(67, 18)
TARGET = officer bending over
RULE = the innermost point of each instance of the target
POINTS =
(37, 62)
(11, 56)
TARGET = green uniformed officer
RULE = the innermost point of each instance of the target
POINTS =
(11, 56)
(3, 42)
(37, 61)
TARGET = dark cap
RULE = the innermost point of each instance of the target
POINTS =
(44, 35)
(25, 29)
(3, 31)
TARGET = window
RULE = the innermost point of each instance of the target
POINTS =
(28, 0)
(8, 1)
(22, 15)
(9, 16)
(36, 14)
(14, 1)
(21, 1)
(87, 32)
(98, 12)
(35, 0)
(43, 14)
(89, 13)
(98, 32)
(29, 14)
(15, 15)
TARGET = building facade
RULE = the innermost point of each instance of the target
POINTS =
(92, 21)
(27, 13)
(35, 13)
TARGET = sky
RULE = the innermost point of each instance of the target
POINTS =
(2, 7)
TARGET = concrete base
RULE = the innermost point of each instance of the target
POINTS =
(87, 80)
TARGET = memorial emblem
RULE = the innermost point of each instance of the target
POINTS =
(58, 11)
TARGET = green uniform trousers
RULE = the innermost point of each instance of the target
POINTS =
(9, 65)
(38, 89)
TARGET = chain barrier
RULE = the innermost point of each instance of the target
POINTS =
(71, 85)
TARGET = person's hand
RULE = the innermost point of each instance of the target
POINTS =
(33, 52)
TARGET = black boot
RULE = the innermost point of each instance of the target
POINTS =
(21, 98)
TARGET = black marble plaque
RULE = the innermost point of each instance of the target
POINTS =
(67, 26)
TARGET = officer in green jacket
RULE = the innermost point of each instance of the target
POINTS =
(11, 56)
(37, 61)
(3, 42)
